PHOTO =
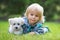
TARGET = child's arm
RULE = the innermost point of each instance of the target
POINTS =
(36, 29)
(41, 30)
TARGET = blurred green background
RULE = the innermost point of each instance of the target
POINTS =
(16, 8)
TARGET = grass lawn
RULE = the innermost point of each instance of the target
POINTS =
(54, 33)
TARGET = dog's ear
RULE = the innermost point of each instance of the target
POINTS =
(10, 21)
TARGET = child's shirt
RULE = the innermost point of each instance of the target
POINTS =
(29, 28)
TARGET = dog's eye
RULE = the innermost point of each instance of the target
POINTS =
(18, 24)
(14, 24)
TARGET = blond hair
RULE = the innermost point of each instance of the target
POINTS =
(35, 7)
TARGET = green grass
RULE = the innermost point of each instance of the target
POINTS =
(54, 33)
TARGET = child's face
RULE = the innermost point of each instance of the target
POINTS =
(33, 17)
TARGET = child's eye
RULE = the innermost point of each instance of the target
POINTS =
(18, 23)
(36, 15)
(14, 24)
(31, 14)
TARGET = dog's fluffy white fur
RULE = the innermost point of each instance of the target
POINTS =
(15, 25)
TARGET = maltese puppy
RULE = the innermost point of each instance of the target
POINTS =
(16, 25)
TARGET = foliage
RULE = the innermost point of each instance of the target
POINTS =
(10, 7)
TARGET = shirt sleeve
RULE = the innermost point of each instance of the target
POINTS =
(38, 29)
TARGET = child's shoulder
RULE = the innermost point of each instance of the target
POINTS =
(39, 24)
(25, 20)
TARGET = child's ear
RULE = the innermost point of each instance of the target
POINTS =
(10, 21)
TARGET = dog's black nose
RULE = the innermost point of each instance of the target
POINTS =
(16, 27)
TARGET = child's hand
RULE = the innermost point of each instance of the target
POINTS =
(32, 33)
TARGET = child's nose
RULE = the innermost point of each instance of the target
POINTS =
(33, 17)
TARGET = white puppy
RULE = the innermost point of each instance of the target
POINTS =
(15, 25)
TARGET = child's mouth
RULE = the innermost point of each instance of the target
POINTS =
(33, 20)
